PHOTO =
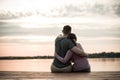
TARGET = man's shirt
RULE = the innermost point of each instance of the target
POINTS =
(62, 45)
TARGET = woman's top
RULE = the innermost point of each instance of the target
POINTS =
(79, 63)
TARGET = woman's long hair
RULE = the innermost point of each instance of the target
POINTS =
(72, 37)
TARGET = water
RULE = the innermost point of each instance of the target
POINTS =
(43, 65)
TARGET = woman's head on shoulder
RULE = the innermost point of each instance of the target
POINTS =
(72, 37)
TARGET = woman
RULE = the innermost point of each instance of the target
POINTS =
(80, 64)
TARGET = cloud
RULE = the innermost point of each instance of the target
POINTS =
(10, 29)
(28, 38)
(67, 8)
(89, 18)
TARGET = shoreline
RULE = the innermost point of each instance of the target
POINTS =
(93, 55)
(27, 58)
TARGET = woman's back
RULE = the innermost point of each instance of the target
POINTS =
(80, 63)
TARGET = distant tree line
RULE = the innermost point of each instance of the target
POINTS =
(93, 55)
(25, 57)
(105, 55)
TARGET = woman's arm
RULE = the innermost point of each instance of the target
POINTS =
(80, 47)
(66, 58)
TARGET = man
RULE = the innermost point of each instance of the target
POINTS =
(62, 45)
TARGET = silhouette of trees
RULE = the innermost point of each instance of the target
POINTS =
(105, 55)
(94, 55)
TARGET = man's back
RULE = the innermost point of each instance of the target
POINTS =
(62, 45)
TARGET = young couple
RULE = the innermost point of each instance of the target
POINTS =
(68, 51)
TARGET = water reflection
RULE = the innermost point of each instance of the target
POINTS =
(43, 65)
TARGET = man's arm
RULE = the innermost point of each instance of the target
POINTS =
(78, 51)
(66, 58)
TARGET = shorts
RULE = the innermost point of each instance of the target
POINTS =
(66, 69)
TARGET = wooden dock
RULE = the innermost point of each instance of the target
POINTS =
(21, 75)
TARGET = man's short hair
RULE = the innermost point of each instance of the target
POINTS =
(66, 29)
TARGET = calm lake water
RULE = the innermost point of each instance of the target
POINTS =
(43, 65)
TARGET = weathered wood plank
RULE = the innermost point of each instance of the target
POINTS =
(16, 75)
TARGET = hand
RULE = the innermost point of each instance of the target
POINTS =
(84, 55)
(55, 54)
(60, 35)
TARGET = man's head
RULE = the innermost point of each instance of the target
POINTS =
(66, 29)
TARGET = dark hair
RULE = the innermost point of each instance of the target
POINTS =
(66, 29)
(72, 36)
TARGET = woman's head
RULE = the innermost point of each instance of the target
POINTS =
(73, 37)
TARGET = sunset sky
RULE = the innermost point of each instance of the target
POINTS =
(29, 27)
